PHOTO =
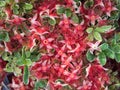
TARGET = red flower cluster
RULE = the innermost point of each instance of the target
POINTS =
(63, 45)
(96, 76)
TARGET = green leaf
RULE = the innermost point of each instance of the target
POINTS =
(116, 48)
(102, 58)
(60, 10)
(88, 4)
(10, 69)
(20, 62)
(2, 3)
(75, 18)
(117, 57)
(103, 29)
(17, 55)
(114, 16)
(35, 57)
(23, 54)
(28, 6)
(89, 30)
(16, 6)
(2, 14)
(104, 46)
(4, 36)
(68, 12)
(28, 62)
(9, 1)
(90, 37)
(90, 57)
(117, 37)
(52, 21)
(40, 84)
(76, 0)
(109, 53)
(17, 71)
(5, 56)
(97, 36)
(26, 75)
(16, 9)
(27, 53)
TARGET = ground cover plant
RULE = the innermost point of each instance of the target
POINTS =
(60, 44)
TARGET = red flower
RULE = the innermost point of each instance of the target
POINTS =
(32, 40)
(34, 21)
(82, 9)
(108, 8)
(46, 43)
(102, 22)
(41, 69)
(94, 46)
(99, 2)
(69, 2)
(92, 17)
(17, 20)
(39, 30)
(97, 75)
(65, 23)
(8, 12)
(17, 84)
(71, 76)
(79, 28)
(66, 61)
(60, 52)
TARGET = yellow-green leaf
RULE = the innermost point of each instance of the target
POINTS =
(97, 36)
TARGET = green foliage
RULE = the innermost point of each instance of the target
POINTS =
(77, 0)
(116, 48)
(28, 6)
(95, 32)
(35, 55)
(97, 36)
(52, 21)
(21, 58)
(90, 37)
(88, 4)
(26, 75)
(104, 46)
(68, 12)
(115, 82)
(117, 57)
(89, 30)
(109, 53)
(60, 10)
(11, 65)
(109, 49)
(115, 15)
(2, 14)
(40, 84)
(102, 58)
(75, 18)
(90, 56)
(4, 36)
(21, 8)
(103, 29)
(2, 3)
(15, 9)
